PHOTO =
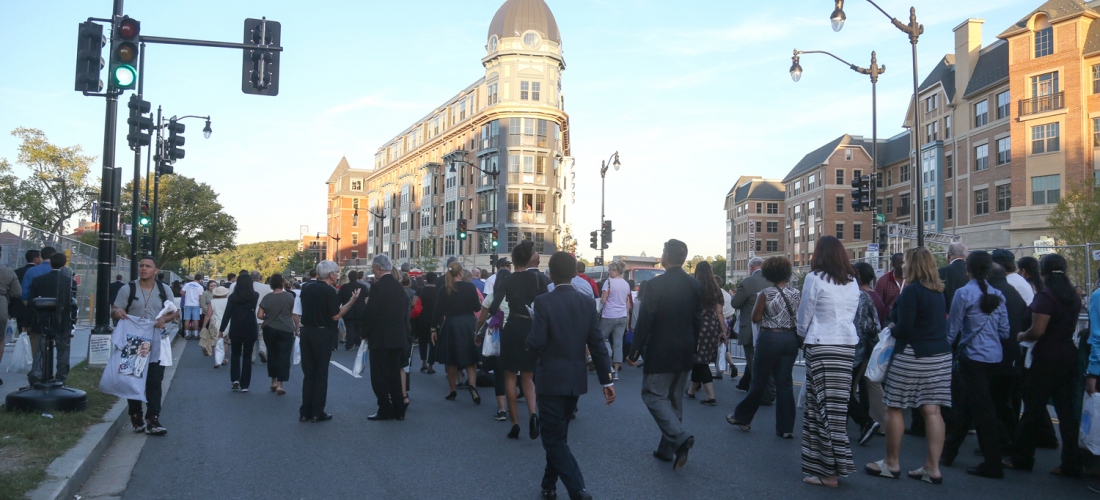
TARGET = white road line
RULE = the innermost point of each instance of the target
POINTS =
(342, 367)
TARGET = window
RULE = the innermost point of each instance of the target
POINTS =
(354, 220)
(493, 43)
(524, 90)
(1044, 85)
(981, 113)
(773, 246)
(773, 208)
(903, 175)
(535, 87)
(947, 127)
(797, 187)
(1096, 79)
(531, 39)
(354, 238)
(890, 205)
(981, 157)
(759, 245)
(840, 231)
(355, 203)
(981, 202)
(759, 226)
(1096, 132)
(513, 239)
(773, 227)
(949, 166)
(932, 131)
(857, 174)
(1046, 190)
(889, 177)
(1003, 101)
(1044, 138)
(1044, 42)
(857, 231)
(1004, 150)
(840, 176)
(759, 208)
(1004, 197)
(839, 203)
(492, 91)
(811, 182)
(878, 180)
(931, 103)
(354, 254)
(903, 205)
(949, 206)
(357, 185)
(847, 155)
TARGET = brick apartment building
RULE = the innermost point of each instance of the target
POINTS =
(754, 217)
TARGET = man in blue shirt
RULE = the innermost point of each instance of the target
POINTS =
(37, 271)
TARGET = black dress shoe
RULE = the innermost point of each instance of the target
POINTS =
(324, 417)
(682, 454)
(380, 416)
(661, 457)
(914, 432)
(533, 425)
(303, 418)
(549, 495)
(980, 472)
(580, 495)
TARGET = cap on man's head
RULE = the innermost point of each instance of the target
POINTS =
(1006, 259)
(503, 262)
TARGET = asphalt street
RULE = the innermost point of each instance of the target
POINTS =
(223, 444)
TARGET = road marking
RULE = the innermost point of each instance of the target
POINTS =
(342, 367)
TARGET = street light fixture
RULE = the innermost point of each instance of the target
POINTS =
(796, 69)
(206, 130)
(838, 17)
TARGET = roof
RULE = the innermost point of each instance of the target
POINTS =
(991, 69)
(895, 149)
(760, 189)
(817, 157)
(442, 108)
(1056, 10)
(518, 16)
(943, 73)
(341, 168)
(1092, 40)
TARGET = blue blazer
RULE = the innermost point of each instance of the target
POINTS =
(565, 323)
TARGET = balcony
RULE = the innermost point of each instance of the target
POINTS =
(1042, 104)
(526, 178)
(527, 217)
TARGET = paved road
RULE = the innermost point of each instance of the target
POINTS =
(223, 444)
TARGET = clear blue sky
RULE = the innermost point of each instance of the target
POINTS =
(691, 94)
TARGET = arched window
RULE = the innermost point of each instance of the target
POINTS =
(531, 39)
(492, 44)
(1044, 36)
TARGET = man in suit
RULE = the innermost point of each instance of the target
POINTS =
(387, 332)
(954, 273)
(744, 300)
(563, 325)
(669, 322)
(58, 283)
(16, 307)
(353, 320)
(116, 285)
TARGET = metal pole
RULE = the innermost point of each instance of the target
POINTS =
(107, 210)
(156, 186)
(603, 191)
(874, 160)
(136, 188)
(916, 129)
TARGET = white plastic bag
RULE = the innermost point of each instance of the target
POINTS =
(721, 363)
(11, 331)
(219, 351)
(1090, 424)
(880, 357)
(296, 354)
(22, 361)
(802, 395)
(262, 344)
(491, 345)
(360, 358)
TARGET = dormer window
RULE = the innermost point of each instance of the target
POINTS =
(531, 39)
(492, 44)
(1044, 36)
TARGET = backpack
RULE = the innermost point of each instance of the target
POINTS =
(133, 294)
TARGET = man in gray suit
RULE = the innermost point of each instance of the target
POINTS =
(744, 301)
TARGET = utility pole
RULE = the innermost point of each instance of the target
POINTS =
(108, 208)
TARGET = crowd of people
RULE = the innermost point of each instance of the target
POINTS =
(982, 344)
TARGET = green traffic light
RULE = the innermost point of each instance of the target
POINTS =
(144, 221)
(461, 236)
(124, 76)
(495, 243)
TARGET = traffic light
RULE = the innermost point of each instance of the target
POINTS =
(606, 233)
(124, 53)
(861, 194)
(883, 239)
(146, 244)
(495, 239)
(598, 261)
(260, 68)
(175, 140)
(139, 123)
(461, 229)
(89, 57)
(595, 243)
(144, 219)
(165, 168)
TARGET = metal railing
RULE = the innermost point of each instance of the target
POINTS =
(1042, 104)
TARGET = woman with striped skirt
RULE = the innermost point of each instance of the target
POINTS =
(830, 295)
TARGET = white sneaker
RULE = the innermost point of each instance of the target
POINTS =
(614, 376)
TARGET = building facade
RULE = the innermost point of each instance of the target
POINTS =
(755, 218)
(495, 155)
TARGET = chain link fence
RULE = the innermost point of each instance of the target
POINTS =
(16, 238)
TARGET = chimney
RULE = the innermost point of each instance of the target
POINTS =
(968, 43)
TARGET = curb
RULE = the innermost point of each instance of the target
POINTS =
(68, 473)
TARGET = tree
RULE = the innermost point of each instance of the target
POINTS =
(299, 264)
(719, 265)
(1076, 221)
(267, 257)
(568, 243)
(426, 261)
(57, 188)
(191, 220)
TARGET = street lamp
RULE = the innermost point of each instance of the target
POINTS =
(914, 30)
(874, 71)
(135, 238)
(206, 130)
(603, 189)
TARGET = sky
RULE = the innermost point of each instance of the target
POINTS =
(691, 94)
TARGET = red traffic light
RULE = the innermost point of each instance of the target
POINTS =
(129, 29)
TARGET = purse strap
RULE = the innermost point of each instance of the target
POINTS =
(794, 325)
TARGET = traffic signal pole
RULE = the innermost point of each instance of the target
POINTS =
(135, 228)
(108, 211)
(155, 224)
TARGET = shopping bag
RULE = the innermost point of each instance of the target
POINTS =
(21, 361)
(219, 352)
(802, 394)
(880, 357)
(491, 345)
(263, 346)
(11, 331)
(721, 364)
(1090, 424)
(360, 359)
(297, 353)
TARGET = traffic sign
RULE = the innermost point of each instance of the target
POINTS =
(872, 247)
(880, 218)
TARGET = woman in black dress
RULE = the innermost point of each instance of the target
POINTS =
(519, 289)
(240, 317)
(454, 310)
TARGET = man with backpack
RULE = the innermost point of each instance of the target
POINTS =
(144, 299)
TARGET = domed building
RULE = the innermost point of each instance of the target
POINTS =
(441, 170)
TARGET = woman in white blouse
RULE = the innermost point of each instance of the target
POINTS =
(830, 296)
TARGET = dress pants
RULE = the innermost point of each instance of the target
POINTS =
(663, 395)
(976, 408)
(279, 346)
(61, 351)
(554, 429)
(154, 375)
(427, 350)
(238, 371)
(1004, 385)
(316, 344)
(354, 334)
(385, 378)
(775, 359)
(1044, 381)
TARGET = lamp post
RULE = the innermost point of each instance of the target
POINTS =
(490, 173)
(874, 71)
(136, 240)
(914, 31)
(612, 161)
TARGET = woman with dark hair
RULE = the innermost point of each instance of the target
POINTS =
(978, 323)
(243, 331)
(776, 349)
(276, 311)
(519, 290)
(712, 334)
(454, 310)
(1053, 372)
(1028, 267)
(826, 322)
(868, 326)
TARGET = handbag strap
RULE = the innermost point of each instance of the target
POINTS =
(793, 325)
(963, 344)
